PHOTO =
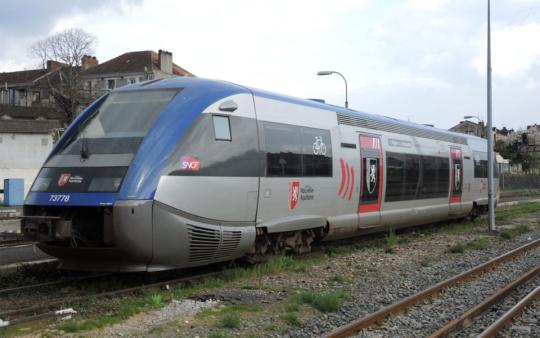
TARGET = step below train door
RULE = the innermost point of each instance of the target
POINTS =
(371, 181)
(456, 180)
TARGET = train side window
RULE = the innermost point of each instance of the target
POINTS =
(412, 177)
(395, 176)
(316, 152)
(480, 164)
(283, 145)
(222, 128)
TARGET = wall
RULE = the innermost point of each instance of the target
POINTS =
(22, 156)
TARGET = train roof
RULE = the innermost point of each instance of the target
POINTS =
(181, 82)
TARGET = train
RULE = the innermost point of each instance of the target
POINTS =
(184, 172)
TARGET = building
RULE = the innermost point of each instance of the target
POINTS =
(29, 115)
(28, 88)
(25, 141)
(470, 128)
(128, 68)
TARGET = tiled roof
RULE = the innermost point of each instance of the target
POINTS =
(18, 112)
(23, 76)
(133, 62)
(28, 126)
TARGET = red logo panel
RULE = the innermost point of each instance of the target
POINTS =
(64, 178)
(294, 192)
(190, 163)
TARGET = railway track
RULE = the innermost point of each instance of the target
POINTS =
(58, 307)
(415, 303)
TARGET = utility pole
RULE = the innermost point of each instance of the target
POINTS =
(491, 202)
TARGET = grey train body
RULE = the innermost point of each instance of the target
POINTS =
(286, 167)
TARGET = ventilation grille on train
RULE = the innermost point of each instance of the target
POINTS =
(209, 244)
(398, 129)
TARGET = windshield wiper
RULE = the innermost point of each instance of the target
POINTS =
(84, 141)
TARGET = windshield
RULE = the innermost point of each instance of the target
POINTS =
(121, 122)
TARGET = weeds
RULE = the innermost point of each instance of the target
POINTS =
(218, 335)
(517, 230)
(230, 320)
(475, 244)
(324, 302)
(391, 240)
(156, 300)
(338, 279)
(291, 318)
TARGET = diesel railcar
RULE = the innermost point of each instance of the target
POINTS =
(183, 172)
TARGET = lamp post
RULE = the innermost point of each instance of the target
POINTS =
(491, 202)
(328, 72)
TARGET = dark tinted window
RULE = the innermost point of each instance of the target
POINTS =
(395, 174)
(412, 177)
(283, 146)
(83, 179)
(297, 151)
(316, 152)
(480, 164)
(435, 178)
(120, 123)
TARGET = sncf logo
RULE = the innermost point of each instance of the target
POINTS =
(64, 178)
(190, 163)
(294, 192)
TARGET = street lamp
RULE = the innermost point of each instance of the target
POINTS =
(328, 72)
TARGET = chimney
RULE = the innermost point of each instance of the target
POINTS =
(89, 62)
(53, 65)
(165, 61)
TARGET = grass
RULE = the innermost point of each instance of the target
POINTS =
(325, 301)
(272, 265)
(338, 278)
(475, 244)
(508, 213)
(390, 241)
(291, 318)
(230, 320)
(218, 334)
(517, 230)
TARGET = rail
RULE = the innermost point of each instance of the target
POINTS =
(365, 322)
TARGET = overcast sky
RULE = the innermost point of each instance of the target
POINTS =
(417, 60)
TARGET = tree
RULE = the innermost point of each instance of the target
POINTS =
(65, 84)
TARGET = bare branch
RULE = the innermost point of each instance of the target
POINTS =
(68, 48)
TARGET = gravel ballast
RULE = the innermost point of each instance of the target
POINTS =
(373, 292)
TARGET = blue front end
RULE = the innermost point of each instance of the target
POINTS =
(91, 203)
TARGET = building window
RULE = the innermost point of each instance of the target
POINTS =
(141, 79)
(111, 84)
(132, 80)
(36, 97)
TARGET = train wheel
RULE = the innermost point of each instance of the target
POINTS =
(295, 242)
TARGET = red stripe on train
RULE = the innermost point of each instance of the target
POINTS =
(352, 183)
(342, 176)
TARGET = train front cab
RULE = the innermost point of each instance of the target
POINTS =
(112, 193)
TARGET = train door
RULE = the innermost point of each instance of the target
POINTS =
(456, 180)
(371, 181)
